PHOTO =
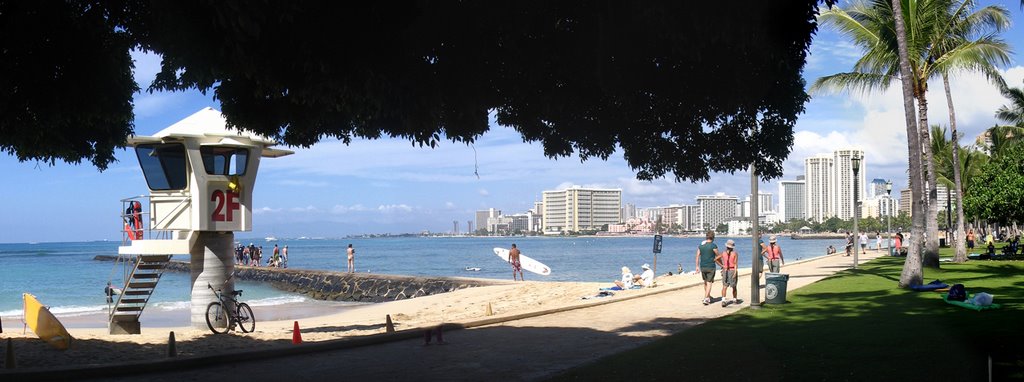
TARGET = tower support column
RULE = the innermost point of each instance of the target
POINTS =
(212, 262)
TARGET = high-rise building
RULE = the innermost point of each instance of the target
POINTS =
(581, 209)
(483, 215)
(844, 182)
(819, 181)
(875, 189)
(905, 205)
(715, 209)
(792, 200)
(628, 211)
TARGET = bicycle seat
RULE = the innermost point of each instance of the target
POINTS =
(236, 292)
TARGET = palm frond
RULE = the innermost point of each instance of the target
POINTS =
(851, 82)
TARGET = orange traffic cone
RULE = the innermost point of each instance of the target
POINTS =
(296, 335)
(388, 325)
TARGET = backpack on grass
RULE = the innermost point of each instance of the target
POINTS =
(957, 293)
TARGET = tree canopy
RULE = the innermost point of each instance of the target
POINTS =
(998, 193)
(683, 88)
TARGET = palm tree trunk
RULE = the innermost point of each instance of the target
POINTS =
(961, 246)
(912, 273)
(930, 239)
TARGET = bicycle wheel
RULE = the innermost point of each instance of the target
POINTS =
(246, 320)
(217, 318)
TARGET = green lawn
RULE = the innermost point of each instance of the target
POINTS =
(856, 325)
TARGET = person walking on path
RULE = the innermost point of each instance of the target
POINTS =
(707, 256)
(774, 255)
(878, 241)
(729, 260)
(513, 258)
(863, 243)
(351, 252)
(849, 243)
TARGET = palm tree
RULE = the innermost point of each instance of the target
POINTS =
(961, 27)
(1014, 112)
(944, 39)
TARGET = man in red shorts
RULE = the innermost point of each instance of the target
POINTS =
(513, 258)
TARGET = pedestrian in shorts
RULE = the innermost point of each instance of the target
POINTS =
(728, 261)
(707, 253)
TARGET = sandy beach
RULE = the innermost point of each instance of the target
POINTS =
(317, 321)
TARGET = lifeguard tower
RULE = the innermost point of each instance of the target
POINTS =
(200, 176)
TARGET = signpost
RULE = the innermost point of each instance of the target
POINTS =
(657, 250)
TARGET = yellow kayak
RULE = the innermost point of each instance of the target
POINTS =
(44, 324)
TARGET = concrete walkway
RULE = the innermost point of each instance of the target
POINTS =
(521, 350)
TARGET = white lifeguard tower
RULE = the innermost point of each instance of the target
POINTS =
(200, 176)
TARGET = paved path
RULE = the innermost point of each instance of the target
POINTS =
(522, 350)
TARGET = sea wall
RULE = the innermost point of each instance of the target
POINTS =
(340, 286)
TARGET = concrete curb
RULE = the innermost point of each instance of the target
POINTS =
(141, 367)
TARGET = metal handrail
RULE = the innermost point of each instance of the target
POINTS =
(148, 230)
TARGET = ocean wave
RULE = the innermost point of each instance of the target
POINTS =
(62, 311)
(168, 306)
(279, 300)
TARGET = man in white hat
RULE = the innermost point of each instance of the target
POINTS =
(646, 279)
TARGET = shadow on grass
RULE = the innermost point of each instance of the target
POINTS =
(856, 325)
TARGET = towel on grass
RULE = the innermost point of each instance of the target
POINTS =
(967, 303)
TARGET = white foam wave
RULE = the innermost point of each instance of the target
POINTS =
(77, 310)
(279, 300)
(11, 313)
(167, 306)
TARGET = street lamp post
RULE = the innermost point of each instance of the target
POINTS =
(888, 217)
(855, 162)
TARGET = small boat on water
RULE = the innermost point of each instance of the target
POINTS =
(270, 238)
(473, 269)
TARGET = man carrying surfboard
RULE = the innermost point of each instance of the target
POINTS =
(513, 258)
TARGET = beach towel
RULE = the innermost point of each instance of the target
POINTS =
(967, 303)
(929, 286)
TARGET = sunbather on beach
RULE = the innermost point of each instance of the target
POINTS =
(627, 279)
(645, 279)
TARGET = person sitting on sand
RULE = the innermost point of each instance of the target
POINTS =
(831, 250)
(627, 279)
(646, 279)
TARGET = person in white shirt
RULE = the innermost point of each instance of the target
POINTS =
(627, 279)
(646, 279)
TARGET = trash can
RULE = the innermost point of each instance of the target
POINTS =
(892, 251)
(775, 288)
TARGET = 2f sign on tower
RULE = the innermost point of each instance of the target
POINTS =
(225, 203)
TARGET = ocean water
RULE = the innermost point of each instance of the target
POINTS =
(65, 277)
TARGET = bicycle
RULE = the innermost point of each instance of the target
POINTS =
(216, 313)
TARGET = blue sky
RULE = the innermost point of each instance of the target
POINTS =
(380, 186)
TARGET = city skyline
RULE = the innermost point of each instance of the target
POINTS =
(389, 185)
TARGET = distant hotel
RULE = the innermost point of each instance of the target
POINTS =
(579, 209)
(826, 190)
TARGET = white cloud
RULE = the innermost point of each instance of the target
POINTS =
(340, 209)
(265, 210)
(303, 209)
(483, 192)
(393, 208)
(449, 205)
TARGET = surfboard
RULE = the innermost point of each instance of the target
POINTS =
(527, 263)
(44, 324)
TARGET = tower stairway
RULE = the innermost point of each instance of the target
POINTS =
(138, 288)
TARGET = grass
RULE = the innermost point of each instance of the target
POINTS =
(855, 325)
